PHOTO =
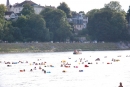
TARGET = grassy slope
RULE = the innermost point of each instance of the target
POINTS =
(50, 47)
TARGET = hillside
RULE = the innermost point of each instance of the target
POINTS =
(56, 47)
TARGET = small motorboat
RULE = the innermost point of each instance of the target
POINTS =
(77, 52)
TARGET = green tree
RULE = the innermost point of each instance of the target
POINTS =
(63, 32)
(83, 32)
(32, 28)
(108, 25)
(46, 11)
(21, 27)
(128, 15)
(82, 12)
(37, 28)
(91, 13)
(16, 33)
(114, 5)
(63, 6)
(2, 20)
(27, 9)
(73, 12)
(21, 22)
(2, 11)
(8, 33)
(57, 24)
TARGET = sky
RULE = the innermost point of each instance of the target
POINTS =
(75, 5)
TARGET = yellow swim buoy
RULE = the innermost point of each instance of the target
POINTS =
(63, 61)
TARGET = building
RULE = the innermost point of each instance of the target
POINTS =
(8, 5)
(17, 8)
(10, 15)
(79, 21)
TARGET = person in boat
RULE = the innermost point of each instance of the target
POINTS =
(76, 52)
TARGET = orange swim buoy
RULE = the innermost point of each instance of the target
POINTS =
(22, 70)
(67, 66)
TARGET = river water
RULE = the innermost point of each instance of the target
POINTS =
(98, 74)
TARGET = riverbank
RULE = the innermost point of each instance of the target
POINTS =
(57, 47)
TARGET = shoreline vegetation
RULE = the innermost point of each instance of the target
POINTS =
(59, 47)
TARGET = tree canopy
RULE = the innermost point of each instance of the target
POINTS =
(63, 6)
(114, 5)
(107, 25)
(57, 24)
(2, 20)
(128, 15)
(33, 28)
(2, 10)
(27, 9)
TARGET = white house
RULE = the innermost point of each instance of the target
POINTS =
(10, 15)
(17, 8)
(13, 11)
(79, 21)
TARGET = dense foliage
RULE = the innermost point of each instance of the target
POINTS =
(128, 15)
(27, 10)
(109, 24)
(5, 26)
(33, 28)
(63, 6)
(57, 24)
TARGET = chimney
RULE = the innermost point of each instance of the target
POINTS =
(7, 3)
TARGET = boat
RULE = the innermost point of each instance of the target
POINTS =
(77, 51)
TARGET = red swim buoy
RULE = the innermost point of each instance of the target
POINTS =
(86, 66)
(22, 70)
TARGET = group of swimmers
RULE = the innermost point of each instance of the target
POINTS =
(64, 63)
